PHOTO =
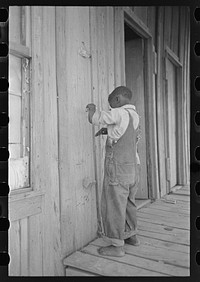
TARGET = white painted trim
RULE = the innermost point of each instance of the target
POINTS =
(25, 193)
(173, 57)
(132, 19)
(19, 50)
(25, 207)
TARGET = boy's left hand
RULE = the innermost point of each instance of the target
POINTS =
(102, 131)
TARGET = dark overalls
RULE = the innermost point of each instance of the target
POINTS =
(120, 183)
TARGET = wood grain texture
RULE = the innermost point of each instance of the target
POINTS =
(151, 22)
(35, 246)
(159, 106)
(175, 30)
(182, 223)
(164, 249)
(14, 249)
(172, 117)
(95, 98)
(102, 76)
(141, 13)
(101, 266)
(186, 91)
(50, 169)
(44, 134)
(78, 205)
(71, 271)
(165, 245)
(25, 207)
(119, 46)
(24, 252)
(167, 25)
(142, 263)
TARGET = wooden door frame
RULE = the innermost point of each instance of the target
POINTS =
(181, 161)
(150, 106)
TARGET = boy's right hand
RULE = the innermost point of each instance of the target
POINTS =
(91, 107)
(102, 131)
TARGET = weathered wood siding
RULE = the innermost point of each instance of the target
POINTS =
(35, 244)
(169, 26)
(78, 58)
(76, 152)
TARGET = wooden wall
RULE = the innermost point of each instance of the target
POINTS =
(78, 58)
(35, 243)
(76, 148)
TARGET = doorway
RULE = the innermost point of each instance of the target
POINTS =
(134, 72)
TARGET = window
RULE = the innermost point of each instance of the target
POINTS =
(19, 96)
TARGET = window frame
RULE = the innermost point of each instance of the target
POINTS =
(23, 51)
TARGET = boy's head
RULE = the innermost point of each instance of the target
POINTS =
(119, 97)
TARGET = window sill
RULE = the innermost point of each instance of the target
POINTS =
(25, 204)
(24, 193)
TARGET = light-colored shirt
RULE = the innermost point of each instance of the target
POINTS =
(116, 120)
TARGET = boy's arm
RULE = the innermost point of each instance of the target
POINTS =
(91, 109)
(102, 118)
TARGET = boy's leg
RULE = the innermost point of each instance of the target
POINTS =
(131, 218)
(113, 211)
(131, 213)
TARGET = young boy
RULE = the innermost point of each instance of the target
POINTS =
(121, 173)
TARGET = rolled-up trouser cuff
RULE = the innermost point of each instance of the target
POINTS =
(113, 241)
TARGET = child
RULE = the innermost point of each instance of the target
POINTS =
(121, 173)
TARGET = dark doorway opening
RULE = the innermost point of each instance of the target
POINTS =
(135, 80)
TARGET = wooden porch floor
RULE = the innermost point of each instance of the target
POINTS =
(164, 233)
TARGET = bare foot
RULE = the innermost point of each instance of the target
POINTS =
(132, 241)
(112, 251)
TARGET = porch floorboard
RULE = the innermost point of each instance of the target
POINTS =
(164, 233)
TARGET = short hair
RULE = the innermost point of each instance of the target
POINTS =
(120, 90)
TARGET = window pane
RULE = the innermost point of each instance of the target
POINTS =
(15, 76)
(15, 119)
(15, 24)
(18, 173)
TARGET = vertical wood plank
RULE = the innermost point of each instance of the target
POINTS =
(141, 13)
(50, 168)
(182, 28)
(24, 247)
(35, 246)
(96, 98)
(103, 76)
(175, 29)
(14, 249)
(186, 86)
(119, 47)
(109, 47)
(37, 101)
(159, 89)
(151, 22)
(67, 192)
(172, 119)
(44, 133)
(28, 26)
(78, 207)
(151, 125)
(167, 25)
